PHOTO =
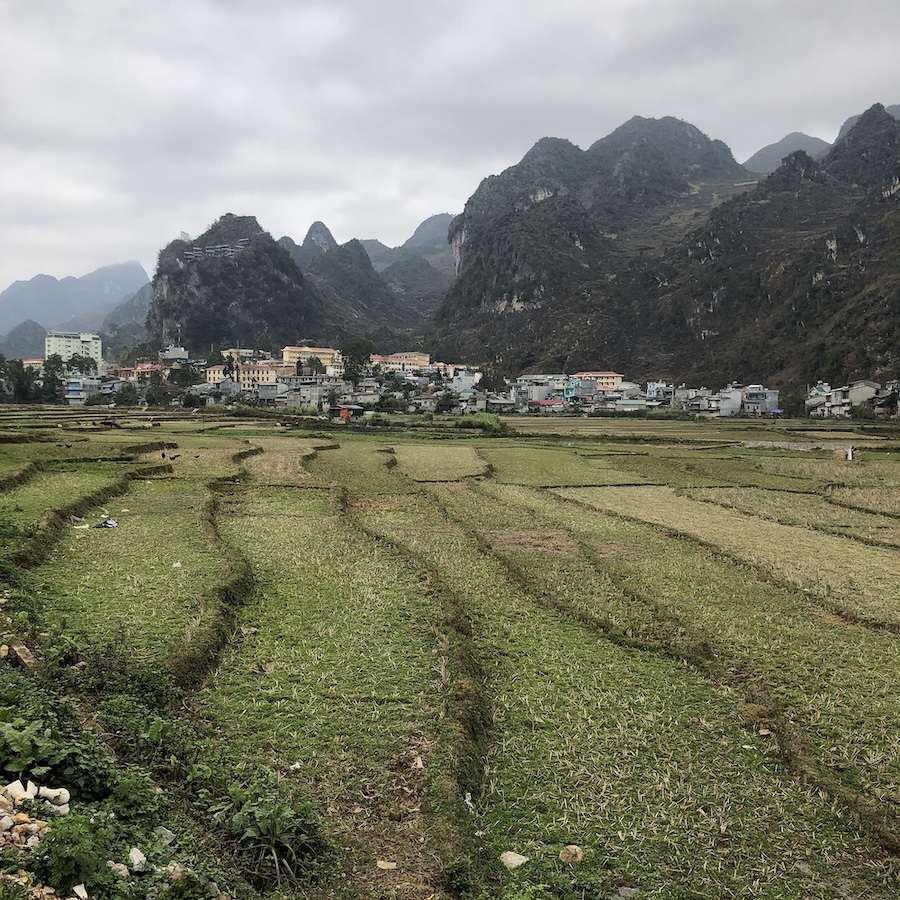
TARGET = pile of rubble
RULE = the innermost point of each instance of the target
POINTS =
(21, 827)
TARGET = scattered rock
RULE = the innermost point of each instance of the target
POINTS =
(384, 864)
(136, 860)
(512, 860)
(21, 653)
(571, 854)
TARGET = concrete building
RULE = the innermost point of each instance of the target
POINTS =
(69, 343)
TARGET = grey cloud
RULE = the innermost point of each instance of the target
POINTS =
(125, 122)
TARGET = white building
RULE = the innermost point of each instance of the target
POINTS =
(69, 343)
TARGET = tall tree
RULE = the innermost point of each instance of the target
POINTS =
(21, 380)
(357, 353)
(54, 370)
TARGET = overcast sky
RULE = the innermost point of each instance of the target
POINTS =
(124, 123)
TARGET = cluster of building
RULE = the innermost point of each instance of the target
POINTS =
(609, 391)
(314, 377)
(824, 401)
(226, 250)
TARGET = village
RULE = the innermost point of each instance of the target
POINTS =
(321, 381)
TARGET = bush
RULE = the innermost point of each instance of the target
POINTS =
(75, 851)
(489, 423)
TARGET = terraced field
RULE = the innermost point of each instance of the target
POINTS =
(673, 651)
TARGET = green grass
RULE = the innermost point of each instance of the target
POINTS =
(805, 510)
(611, 748)
(850, 578)
(638, 646)
(146, 583)
(29, 503)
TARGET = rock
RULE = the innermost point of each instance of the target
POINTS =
(6, 805)
(137, 860)
(80, 891)
(512, 860)
(118, 868)
(164, 836)
(16, 791)
(6, 823)
(31, 789)
(571, 854)
(59, 796)
(21, 818)
(63, 810)
(22, 654)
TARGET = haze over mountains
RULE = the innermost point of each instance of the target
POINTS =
(768, 159)
(652, 252)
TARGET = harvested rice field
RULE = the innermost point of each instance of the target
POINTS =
(645, 660)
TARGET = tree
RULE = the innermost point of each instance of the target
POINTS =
(315, 366)
(21, 380)
(356, 353)
(127, 395)
(54, 370)
(446, 402)
(84, 365)
(215, 358)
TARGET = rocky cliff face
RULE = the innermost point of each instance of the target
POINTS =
(233, 286)
(653, 252)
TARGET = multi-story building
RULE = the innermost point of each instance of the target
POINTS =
(328, 356)
(408, 361)
(606, 381)
(70, 343)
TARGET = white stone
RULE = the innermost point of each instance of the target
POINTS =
(16, 790)
(136, 859)
(512, 860)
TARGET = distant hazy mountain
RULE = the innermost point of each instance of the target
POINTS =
(768, 159)
(242, 289)
(428, 241)
(246, 289)
(893, 110)
(318, 240)
(49, 300)
(418, 283)
(25, 341)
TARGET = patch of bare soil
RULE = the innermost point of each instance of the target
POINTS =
(831, 619)
(615, 550)
(554, 543)
(389, 855)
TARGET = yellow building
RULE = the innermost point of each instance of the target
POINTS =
(328, 356)
(606, 381)
(409, 361)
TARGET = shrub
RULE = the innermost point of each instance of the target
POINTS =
(489, 423)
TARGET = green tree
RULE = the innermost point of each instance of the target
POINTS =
(54, 371)
(127, 394)
(356, 353)
(446, 401)
(184, 376)
(84, 365)
(21, 380)
(215, 358)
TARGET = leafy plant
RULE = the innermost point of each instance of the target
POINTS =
(75, 851)
(278, 838)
